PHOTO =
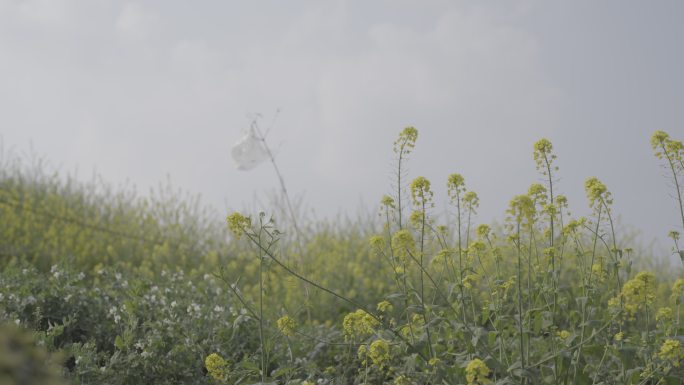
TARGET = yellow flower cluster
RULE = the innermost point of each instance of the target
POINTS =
(521, 207)
(658, 138)
(379, 353)
(664, 314)
(537, 192)
(470, 280)
(216, 366)
(416, 219)
(483, 231)
(385, 306)
(563, 334)
(476, 247)
(664, 146)
(406, 141)
(599, 272)
(420, 191)
(477, 373)
(455, 186)
(638, 291)
(542, 154)
(286, 325)
(503, 288)
(674, 235)
(238, 223)
(572, 226)
(672, 351)
(403, 244)
(471, 200)
(597, 191)
(387, 201)
(678, 290)
(359, 324)
(377, 243)
(417, 322)
(442, 256)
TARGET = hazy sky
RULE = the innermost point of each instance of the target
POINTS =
(143, 89)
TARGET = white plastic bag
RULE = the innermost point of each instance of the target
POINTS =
(249, 151)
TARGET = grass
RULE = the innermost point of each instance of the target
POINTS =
(126, 290)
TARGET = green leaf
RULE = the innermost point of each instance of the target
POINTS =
(491, 338)
(537, 322)
(627, 355)
(119, 343)
(485, 315)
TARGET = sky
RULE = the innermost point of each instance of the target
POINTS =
(142, 91)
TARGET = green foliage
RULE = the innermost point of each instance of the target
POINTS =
(47, 219)
(24, 363)
(135, 290)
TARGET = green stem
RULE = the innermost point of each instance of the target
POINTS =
(520, 312)
(614, 252)
(422, 285)
(261, 316)
(268, 253)
(551, 238)
(673, 168)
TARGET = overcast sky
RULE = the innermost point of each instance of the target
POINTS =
(138, 90)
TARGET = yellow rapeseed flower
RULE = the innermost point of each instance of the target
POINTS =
(471, 199)
(482, 231)
(521, 207)
(596, 191)
(598, 271)
(216, 366)
(420, 191)
(543, 153)
(658, 138)
(359, 324)
(672, 351)
(379, 353)
(455, 186)
(238, 223)
(406, 141)
(385, 306)
(563, 334)
(416, 323)
(477, 373)
(637, 292)
(377, 243)
(387, 201)
(286, 325)
(403, 244)
(678, 290)
(470, 280)
(664, 314)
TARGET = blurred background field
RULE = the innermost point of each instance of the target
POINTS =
(145, 238)
(118, 285)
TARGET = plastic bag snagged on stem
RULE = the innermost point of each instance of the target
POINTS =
(249, 151)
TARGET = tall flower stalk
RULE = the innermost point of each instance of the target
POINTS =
(421, 196)
(672, 152)
(403, 146)
(544, 157)
(455, 190)
(521, 211)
